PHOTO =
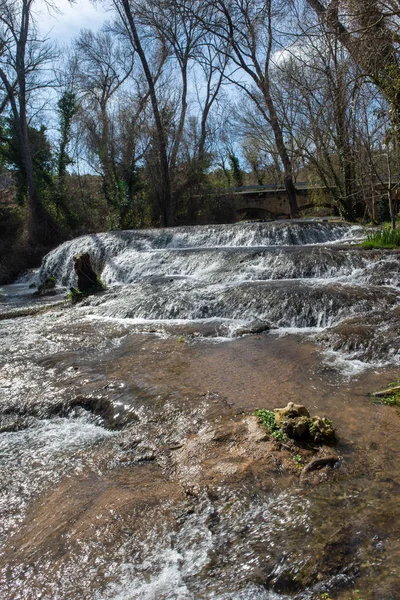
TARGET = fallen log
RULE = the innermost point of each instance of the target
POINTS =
(387, 392)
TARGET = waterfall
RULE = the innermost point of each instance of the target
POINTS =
(115, 251)
(288, 275)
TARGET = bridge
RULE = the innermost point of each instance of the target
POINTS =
(267, 201)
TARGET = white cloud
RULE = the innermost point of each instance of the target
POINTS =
(63, 26)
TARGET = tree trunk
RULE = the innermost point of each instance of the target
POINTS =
(284, 156)
(282, 151)
(165, 193)
(392, 209)
(39, 227)
(370, 46)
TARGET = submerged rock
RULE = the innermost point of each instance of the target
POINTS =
(319, 462)
(255, 326)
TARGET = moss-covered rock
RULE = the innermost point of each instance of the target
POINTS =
(314, 430)
(47, 288)
(294, 422)
(291, 411)
(322, 431)
(89, 281)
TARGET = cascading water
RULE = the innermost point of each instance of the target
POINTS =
(289, 275)
(118, 253)
(132, 467)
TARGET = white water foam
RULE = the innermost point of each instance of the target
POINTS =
(107, 248)
(39, 456)
(173, 569)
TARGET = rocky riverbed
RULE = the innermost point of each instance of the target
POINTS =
(132, 464)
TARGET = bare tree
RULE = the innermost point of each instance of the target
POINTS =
(369, 30)
(327, 85)
(129, 13)
(104, 66)
(176, 26)
(247, 28)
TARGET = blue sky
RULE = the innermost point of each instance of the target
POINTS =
(82, 14)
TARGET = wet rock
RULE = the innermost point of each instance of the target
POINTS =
(229, 432)
(309, 429)
(283, 580)
(295, 422)
(319, 462)
(322, 431)
(12, 422)
(113, 415)
(291, 411)
(89, 281)
(253, 327)
(87, 277)
(374, 339)
(47, 288)
(297, 428)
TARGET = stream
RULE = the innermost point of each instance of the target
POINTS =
(132, 466)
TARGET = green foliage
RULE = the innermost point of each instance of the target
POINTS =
(390, 398)
(393, 400)
(67, 108)
(383, 238)
(279, 435)
(236, 170)
(267, 419)
(42, 157)
(298, 459)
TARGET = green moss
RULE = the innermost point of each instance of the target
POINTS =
(75, 295)
(100, 285)
(47, 286)
(322, 431)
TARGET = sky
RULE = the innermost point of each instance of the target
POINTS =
(62, 27)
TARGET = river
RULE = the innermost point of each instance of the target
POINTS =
(132, 466)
